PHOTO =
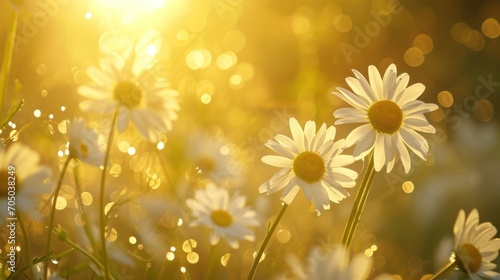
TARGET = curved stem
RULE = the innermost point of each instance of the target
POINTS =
(87, 254)
(102, 226)
(7, 58)
(359, 204)
(27, 244)
(264, 243)
(448, 267)
(53, 214)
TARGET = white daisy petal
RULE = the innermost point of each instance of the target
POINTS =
(309, 132)
(419, 123)
(379, 152)
(277, 161)
(351, 99)
(280, 149)
(415, 142)
(402, 152)
(366, 89)
(289, 193)
(358, 134)
(411, 93)
(390, 82)
(365, 146)
(287, 142)
(297, 133)
(402, 82)
(376, 82)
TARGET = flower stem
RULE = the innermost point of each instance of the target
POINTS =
(264, 243)
(81, 207)
(359, 204)
(211, 258)
(53, 214)
(448, 267)
(102, 227)
(7, 58)
(27, 244)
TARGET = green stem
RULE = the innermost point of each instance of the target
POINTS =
(87, 254)
(7, 58)
(359, 204)
(81, 207)
(264, 243)
(445, 269)
(102, 227)
(39, 260)
(211, 258)
(53, 214)
(27, 244)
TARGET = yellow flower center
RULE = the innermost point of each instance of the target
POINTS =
(84, 150)
(221, 218)
(385, 116)
(309, 166)
(469, 257)
(128, 94)
(205, 164)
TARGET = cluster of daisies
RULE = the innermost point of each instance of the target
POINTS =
(311, 160)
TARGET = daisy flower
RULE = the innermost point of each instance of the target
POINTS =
(31, 179)
(85, 143)
(474, 247)
(311, 161)
(227, 217)
(150, 105)
(330, 263)
(390, 116)
(212, 158)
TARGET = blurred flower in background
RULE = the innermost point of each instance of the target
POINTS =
(329, 262)
(227, 217)
(32, 180)
(150, 107)
(475, 247)
(85, 143)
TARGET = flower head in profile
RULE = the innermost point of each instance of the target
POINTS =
(310, 161)
(475, 247)
(330, 263)
(390, 115)
(143, 100)
(21, 165)
(85, 143)
(228, 217)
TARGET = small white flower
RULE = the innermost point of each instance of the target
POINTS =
(85, 143)
(311, 161)
(330, 263)
(475, 247)
(144, 100)
(227, 217)
(390, 116)
(31, 180)
(211, 157)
